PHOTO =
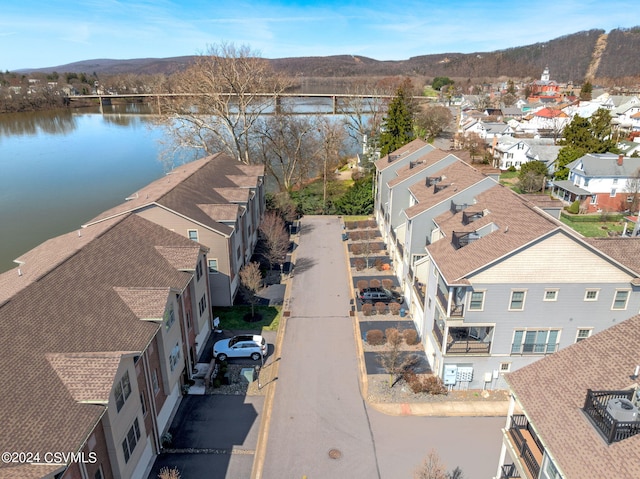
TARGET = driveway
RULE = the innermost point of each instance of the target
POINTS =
(320, 426)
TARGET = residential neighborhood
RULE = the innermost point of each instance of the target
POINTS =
(431, 306)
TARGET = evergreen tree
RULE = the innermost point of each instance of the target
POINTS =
(358, 200)
(397, 129)
(586, 91)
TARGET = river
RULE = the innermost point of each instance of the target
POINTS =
(60, 169)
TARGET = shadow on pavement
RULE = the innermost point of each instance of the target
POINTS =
(213, 436)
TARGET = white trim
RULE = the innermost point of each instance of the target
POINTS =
(578, 338)
(551, 290)
(586, 292)
(524, 298)
(626, 302)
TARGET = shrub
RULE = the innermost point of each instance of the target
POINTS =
(511, 169)
(394, 308)
(363, 224)
(367, 309)
(356, 249)
(424, 384)
(433, 385)
(410, 337)
(375, 337)
(372, 223)
(574, 208)
(355, 235)
(394, 338)
(374, 283)
(351, 225)
(379, 264)
(362, 284)
(381, 307)
(360, 264)
(387, 283)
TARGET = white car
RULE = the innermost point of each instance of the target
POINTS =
(242, 346)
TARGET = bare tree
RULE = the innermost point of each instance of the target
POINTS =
(331, 142)
(275, 238)
(250, 284)
(219, 99)
(474, 144)
(166, 473)
(632, 188)
(363, 111)
(432, 468)
(287, 145)
(393, 361)
(433, 120)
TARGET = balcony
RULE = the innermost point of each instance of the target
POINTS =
(469, 341)
(456, 208)
(611, 429)
(526, 443)
(509, 471)
(457, 310)
(419, 289)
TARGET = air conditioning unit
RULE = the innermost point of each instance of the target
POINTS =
(622, 410)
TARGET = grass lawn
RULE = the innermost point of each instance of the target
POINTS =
(232, 317)
(594, 229)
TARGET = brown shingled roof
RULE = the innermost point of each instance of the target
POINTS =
(552, 392)
(506, 210)
(88, 377)
(145, 303)
(458, 175)
(409, 148)
(421, 163)
(75, 309)
(625, 251)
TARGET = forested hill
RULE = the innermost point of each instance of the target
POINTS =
(596, 55)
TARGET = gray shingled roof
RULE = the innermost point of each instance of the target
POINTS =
(606, 165)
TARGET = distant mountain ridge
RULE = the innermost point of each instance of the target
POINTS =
(593, 54)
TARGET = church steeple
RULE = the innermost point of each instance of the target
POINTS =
(545, 74)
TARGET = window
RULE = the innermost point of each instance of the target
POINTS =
(144, 405)
(193, 234)
(174, 357)
(154, 382)
(536, 341)
(583, 334)
(591, 295)
(99, 474)
(169, 318)
(629, 199)
(213, 266)
(129, 442)
(202, 304)
(613, 192)
(122, 391)
(517, 301)
(238, 253)
(505, 367)
(615, 181)
(594, 199)
(477, 300)
(551, 295)
(620, 299)
(198, 270)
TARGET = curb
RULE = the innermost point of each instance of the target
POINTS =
(436, 409)
(265, 422)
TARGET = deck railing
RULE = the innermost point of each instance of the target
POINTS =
(519, 424)
(595, 407)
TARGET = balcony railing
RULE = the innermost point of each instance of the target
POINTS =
(418, 287)
(509, 471)
(457, 207)
(526, 443)
(457, 310)
(595, 407)
(462, 341)
(437, 332)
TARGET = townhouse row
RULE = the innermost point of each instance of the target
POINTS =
(100, 328)
(492, 281)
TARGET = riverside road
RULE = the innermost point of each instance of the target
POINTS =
(319, 426)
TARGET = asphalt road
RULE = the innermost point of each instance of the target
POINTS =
(320, 426)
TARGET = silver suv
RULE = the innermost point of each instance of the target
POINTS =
(375, 295)
(241, 346)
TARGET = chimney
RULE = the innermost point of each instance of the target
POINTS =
(620, 159)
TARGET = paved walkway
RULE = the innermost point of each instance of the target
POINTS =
(316, 423)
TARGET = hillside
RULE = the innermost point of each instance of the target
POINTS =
(594, 54)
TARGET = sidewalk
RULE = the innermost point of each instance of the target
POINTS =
(470, 406)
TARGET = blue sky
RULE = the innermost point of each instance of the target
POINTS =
(44, 33)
